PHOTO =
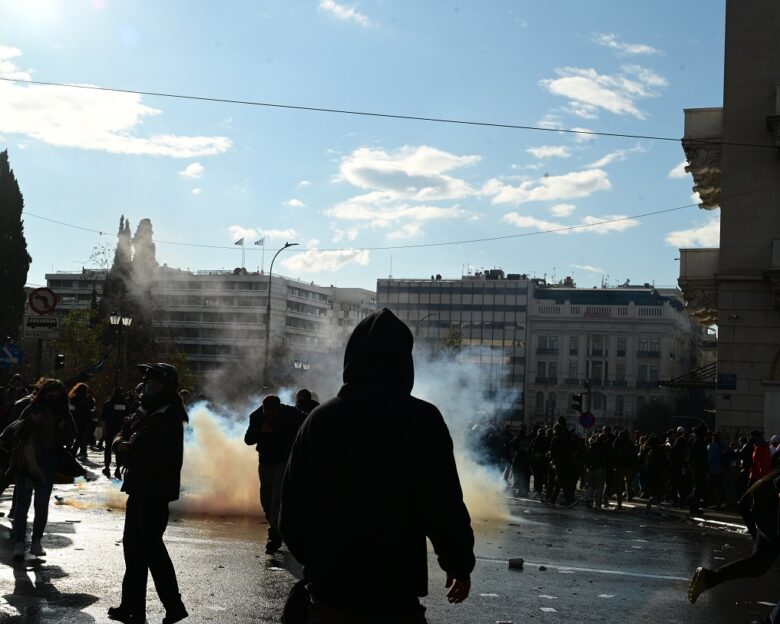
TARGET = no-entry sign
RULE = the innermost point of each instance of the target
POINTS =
(587, 420)
(42, 300)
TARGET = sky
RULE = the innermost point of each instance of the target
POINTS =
(210, 173)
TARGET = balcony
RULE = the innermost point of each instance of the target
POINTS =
(701, 143)
(648, 354)
(646, 384)
(546, 381)
(698, 268)
(617, 383)
(547, 350)
(571, 382)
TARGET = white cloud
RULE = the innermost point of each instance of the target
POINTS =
(418, 173)
(583, 138)
(237, 231)
(339, 235)
(588, 268)
(562, 210)
(286, 235)
(616, 156)
(588, 91)
(192, 171)
(197, 191)
(549, 151)
(679, 171)
(596, 225)
(344, 13)
(408, 230)
(304, 184)
(550, 122)
(550, 188)
(386, 216)
(707, 235)
(296, 203)
(87, 119)
(314, 261)
(610, 40)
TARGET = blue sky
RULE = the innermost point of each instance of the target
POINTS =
(208, 173)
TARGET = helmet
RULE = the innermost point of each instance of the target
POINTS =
(681, 429)
(165, 373)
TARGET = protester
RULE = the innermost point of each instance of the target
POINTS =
(151, 448)
(538, 448)
(595, 458)
(625, 461)
(82, 406)
(114, 413)
(272, 428)
(375, 467)
(562, 461)
(36, 437)
(761, 462)
(304, 401)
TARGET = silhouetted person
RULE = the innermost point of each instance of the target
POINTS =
(114, 413)
(82, 406)
(152, 447)
(44, 427)
(373, 469)
(272, 427)
(304, 401)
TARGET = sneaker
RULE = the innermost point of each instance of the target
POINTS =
(118, 474)
(36, 549)
(18, 551)
(698, 584)
(175, 615)
(272, 546)
(123, 614)
(106, 471)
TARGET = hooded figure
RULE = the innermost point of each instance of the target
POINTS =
(373, 469)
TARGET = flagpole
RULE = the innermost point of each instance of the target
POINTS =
(262, 257)
(243, 255)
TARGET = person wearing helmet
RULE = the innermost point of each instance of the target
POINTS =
(151, 448)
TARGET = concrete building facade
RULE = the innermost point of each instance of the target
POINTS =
(733, 157)
(215, 317)
(623, 341)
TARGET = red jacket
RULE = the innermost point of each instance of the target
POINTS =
(762, 461)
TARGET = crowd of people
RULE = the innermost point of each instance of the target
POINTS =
(693, 468)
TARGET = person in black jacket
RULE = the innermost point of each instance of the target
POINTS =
(152, 448)
(272, 427)
(304, 401)
(114, 412)
(343, 487)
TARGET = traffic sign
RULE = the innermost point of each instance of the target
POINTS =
(41, 326)
(10, 355)
(587, 420)
(42, 300)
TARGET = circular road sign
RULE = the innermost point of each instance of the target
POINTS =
(587, 420)
(42, 300)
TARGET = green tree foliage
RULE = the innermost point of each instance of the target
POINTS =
(14, 259)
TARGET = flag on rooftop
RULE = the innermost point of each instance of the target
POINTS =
(240, 241)
(260, 242)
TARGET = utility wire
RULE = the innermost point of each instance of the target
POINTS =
(569, 228)
(343, 111)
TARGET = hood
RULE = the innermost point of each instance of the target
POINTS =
(379, 354)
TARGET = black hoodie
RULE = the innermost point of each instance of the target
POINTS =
(373, 471)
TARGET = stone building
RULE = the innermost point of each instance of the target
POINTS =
(733, 157)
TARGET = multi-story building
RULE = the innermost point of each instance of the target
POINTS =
(481, 318)
(621, 341)
(732, 154)
(215, 317)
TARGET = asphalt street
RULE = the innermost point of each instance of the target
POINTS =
(580, 565)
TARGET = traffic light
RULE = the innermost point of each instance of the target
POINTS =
(576, 402)
(59, 361)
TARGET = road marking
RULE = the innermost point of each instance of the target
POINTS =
(569, 569)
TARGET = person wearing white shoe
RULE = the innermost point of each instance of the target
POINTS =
(44, 427)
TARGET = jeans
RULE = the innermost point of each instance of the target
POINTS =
(145, 522)
(595, 485)
(271, 476)
(23, 496)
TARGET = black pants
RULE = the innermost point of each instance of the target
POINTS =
(109, 440)
(145, 523)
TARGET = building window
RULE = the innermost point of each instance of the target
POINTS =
(652, 374)
(551, 404)
(552, 342)
(540, 401)
(655, 345)
(542, 342)
(619, 405)
(597, 371)
(574, 345)
(541, 370)
(644, 344)
(573, 372)
(598, 402)
(552, 370)
(597, 345)
(642, 373)
(640, 403)
(621, 346)
(620, 371)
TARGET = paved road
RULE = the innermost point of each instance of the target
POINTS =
(600, 567)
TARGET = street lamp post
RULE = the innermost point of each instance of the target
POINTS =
(119, 321)
(268, 314)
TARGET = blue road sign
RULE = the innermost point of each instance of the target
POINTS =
(10, 355)
(587, 420)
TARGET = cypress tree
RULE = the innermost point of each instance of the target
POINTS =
(14, 259)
